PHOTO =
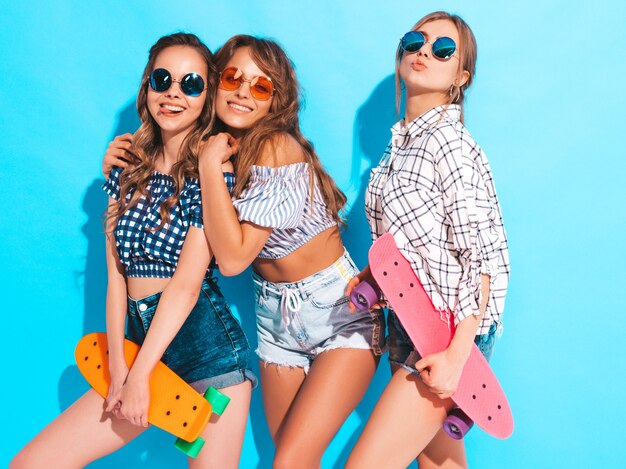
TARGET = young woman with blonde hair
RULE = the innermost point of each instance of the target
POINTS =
(433, 190)
(317, 359)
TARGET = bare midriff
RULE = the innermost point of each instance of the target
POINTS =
(316, 255)
(140, 287)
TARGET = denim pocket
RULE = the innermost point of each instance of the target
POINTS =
(330, 295)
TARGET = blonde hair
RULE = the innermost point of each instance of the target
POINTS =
(282, 118)
(147, 143)
(467, 53)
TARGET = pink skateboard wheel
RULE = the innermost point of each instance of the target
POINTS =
(365, 295)
(457, 424)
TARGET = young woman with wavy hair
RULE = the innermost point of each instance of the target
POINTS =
(433, 190)
(161, 292)
(317, 359)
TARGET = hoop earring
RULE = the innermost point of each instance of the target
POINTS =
(455, 93)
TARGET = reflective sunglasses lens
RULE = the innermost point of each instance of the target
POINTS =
(412, 41)
(261, 88)
(192, 84)
(228, 80)
(160, 80)
(444, 47)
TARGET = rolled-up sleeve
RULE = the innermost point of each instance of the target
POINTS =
(472, 215)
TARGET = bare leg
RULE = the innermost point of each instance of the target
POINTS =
(223, 436)
(405, 420)
(443, 452)
(80, 435)
(332, 389)
(279, 385)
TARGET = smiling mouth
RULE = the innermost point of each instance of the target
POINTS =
(169, 110)
(239, 107)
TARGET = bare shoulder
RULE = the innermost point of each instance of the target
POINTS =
(280, 150)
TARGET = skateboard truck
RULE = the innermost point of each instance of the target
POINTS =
(218, 403)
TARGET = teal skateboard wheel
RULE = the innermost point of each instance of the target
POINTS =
(191, 449)
(218, 400)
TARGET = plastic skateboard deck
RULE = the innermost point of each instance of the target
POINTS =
(174, 406)
(478, 394)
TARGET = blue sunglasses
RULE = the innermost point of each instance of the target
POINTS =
(443, 47)
(191, 84)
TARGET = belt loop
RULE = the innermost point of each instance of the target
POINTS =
(303, 291)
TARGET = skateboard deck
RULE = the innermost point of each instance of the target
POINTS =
(174, 406)
(478, 394)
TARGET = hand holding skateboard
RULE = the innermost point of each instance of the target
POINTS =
(478, 394)
(174, 406)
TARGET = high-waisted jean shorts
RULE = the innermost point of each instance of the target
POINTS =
(403, 353)
(297, 321)
(210, 349)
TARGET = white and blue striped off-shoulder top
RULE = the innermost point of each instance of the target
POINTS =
(280, 198)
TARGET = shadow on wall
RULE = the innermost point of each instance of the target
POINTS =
(154, 448)
(370, 137)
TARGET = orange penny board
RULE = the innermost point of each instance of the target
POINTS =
(478, 394)
(174, 407)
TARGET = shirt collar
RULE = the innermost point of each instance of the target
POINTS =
(421, 123)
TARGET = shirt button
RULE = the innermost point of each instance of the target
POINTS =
(143, 307)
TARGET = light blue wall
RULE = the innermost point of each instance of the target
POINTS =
(547, 106)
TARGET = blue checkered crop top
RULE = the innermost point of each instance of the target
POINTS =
(147, 253)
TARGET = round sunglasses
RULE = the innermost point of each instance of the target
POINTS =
(443, 47)
(261, 88)
(191, 84)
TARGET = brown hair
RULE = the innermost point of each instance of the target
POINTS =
(467, 52)
(282, 117)
(147, 143)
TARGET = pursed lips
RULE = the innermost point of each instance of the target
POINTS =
(418, 65)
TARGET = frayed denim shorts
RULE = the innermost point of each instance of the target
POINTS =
(298, 321)
(403, 353)
(210, 349)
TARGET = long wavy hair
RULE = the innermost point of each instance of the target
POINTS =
(282, 118)
(467, 53)
(147, 143)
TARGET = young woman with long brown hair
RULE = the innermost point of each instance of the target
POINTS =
(433, 190)
(317, 359)
(160, 283)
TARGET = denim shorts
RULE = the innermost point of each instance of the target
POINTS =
(297, 321)
(403, 353)
(210, 348)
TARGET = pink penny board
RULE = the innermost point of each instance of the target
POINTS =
(479, 394)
